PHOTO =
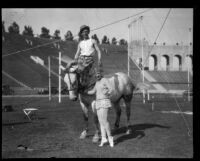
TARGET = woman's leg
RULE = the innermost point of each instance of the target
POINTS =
(96, 137)
(107, 126)
(103, 130)
(105, 121)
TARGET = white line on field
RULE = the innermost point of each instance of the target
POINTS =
(177, 112)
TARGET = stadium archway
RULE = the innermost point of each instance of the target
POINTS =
(189, 61)
(177, 63)
(164, 63)
(153, 62)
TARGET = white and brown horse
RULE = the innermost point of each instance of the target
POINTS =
(121, 88)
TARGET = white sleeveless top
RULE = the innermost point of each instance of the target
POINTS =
(87, 47)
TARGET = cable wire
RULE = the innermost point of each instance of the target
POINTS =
(144, 63)
(45, 44)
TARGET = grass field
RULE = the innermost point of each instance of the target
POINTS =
(56, 129)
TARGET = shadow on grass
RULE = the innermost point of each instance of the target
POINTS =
(15, 123)
(137, 131)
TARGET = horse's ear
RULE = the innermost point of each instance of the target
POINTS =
(68, 65)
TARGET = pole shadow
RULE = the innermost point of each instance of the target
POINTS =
(137, 131)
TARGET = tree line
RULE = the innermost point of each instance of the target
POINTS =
(45, 33)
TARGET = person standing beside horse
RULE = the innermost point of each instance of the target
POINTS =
(84, 56)
(102, 106)
(79, 72)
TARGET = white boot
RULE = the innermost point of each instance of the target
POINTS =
(111, 142)
(103, 141)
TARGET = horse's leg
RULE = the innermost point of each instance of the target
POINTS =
(85, 116)
(96, 137)
(118, 114)
(127, 101)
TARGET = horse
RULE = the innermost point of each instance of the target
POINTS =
(121, 88)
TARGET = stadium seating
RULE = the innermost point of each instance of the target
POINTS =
(24, 69)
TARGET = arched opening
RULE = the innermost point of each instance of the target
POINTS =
(177, 63)
(164, 62)
(189, 62)
(153, 62)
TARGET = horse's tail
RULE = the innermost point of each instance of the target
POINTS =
(141, 86)
(133, 85)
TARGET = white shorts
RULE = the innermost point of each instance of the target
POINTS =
(103, 103)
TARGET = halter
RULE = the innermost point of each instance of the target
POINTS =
(72, 88)
(79, 87)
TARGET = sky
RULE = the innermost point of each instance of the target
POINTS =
(175, 29)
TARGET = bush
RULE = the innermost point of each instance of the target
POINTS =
(6, 90)
(13, 28)
(8, 108)
(64, 91)
(54, 90)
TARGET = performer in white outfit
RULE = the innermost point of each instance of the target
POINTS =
(103, 104)
(84, 56)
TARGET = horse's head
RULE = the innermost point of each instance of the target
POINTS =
(71, 80)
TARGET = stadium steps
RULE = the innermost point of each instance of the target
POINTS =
(137, 75)
(151, 79)
(170, 76)
(171, 80)
(15, 80)
(115, 60)
(33, 74)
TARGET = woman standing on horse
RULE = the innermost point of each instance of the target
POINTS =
(84, 56)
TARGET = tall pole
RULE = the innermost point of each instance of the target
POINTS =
(59, 78)
(129, 43)
(143, 92)
(49, 77)
(188, 66)
(142, 52)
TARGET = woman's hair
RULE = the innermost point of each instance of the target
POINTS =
(80, 37)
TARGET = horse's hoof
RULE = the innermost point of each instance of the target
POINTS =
(83, 134)
(95, 138)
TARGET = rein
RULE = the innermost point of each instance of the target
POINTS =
(82, 88)
(79, 86)
(72, 88)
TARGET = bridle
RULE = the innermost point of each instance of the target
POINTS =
(77, 86)
(72, 86)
